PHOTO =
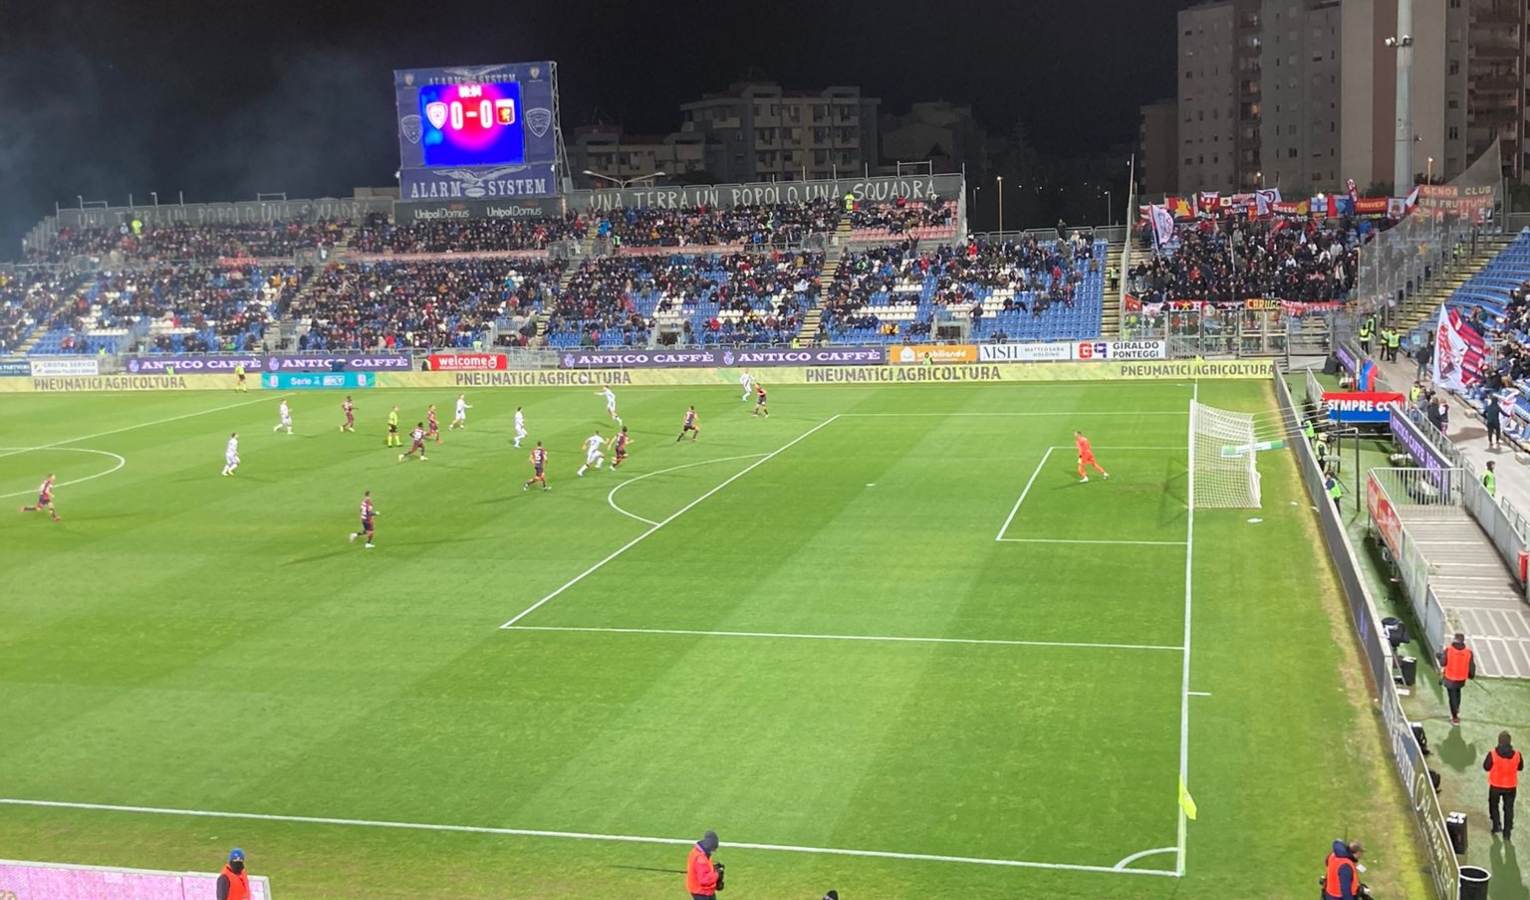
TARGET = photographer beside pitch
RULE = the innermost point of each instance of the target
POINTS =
(703, 877)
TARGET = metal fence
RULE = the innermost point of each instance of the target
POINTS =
(1397, 261)
(1393, 498)
(1407, 757)
(1422, 493)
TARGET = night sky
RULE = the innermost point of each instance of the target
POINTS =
(103, 98)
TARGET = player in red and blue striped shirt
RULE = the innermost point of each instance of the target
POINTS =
(539, 466)
(44, 499)
(690, 425)
(368, 513)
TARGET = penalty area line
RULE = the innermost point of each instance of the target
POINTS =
(870, 638)
(1039, 466)
(578, 836)
(672, 517)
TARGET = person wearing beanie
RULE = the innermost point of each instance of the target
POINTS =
(1503, 765)
(703, 877)
(234, 881)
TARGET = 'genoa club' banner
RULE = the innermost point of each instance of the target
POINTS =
(1458, 351)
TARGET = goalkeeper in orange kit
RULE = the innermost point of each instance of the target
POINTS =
(1086, 458)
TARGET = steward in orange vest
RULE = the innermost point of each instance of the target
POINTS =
(1458, 666)
(1343, 879)
(1503, 765)
(234, 881)
(703, 878)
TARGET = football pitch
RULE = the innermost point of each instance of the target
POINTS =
(883, 641)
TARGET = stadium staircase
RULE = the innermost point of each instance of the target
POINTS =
(1425, 303)
(812, 319)
(1110, 311)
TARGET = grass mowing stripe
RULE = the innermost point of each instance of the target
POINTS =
(1184, 699)
(189, 415)
(891, 639)
(673, 516)
(1119, 868)
(1039, 466)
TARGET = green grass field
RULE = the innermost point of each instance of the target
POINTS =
(801, 632)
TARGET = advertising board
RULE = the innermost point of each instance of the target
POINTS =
(1085, 351)
(469, 362)
(719, 357)
(15, 367)
(65, 366)
(307, 381)
(934, 354)
(1017, 353)
(354, 361)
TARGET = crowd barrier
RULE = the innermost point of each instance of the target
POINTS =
(1407, 757)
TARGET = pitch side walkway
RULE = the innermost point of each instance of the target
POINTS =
(1478, 592)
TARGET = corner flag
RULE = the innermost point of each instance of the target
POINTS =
(1186, 802)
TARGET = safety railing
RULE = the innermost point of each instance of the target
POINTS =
(1393, 497)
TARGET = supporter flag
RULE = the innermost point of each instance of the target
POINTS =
(1458, 351)
(1365, 379)
(1354, 192)
(1264, 202)
(1411, 200)
(1179, 207)
(1163, 227)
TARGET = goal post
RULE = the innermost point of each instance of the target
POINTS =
(1223, 451)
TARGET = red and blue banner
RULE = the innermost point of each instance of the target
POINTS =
(1361, 406)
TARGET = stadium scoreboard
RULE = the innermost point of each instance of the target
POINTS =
(477, 132)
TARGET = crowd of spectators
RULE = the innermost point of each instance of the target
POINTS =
(708, 226)
(903, 215)
(1226, 262)
(419, 304)
(235, 304)
(379, 234)
(1036, 274)
(185, 241)
(29, 301)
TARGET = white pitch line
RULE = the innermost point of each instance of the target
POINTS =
(1073, 414)
(575, 835)
(1005, 527)
(1010, 540)
(1200, 694)
(672, 517)
(611, 497)
(1184, 688)
(17, 450)
(872, 638)
(1121, 866)
(75, 440)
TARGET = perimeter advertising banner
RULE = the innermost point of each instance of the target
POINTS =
(309, 381)
(1092, 350)
(15, 367)
(469, 362)
(66, 366)
(49, 881)
(720, 357)
(1014, 353)
(354, 361)
(935, 354)
(830, 375)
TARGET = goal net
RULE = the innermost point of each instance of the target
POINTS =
(1222, 454)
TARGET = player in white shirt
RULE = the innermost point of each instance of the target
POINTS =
(592, 454)
(610, 402)
(520, 426)
(747, 381)
(231, 454)
(459, 420)
(286, 421)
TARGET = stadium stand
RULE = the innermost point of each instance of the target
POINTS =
(30, 304)
(903, 219)
(1017, 290)
(202, 243)
(778, 224)
(418, 304)
(378, 234)
(1307, 262)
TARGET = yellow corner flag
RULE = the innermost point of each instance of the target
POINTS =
(1186, 802)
